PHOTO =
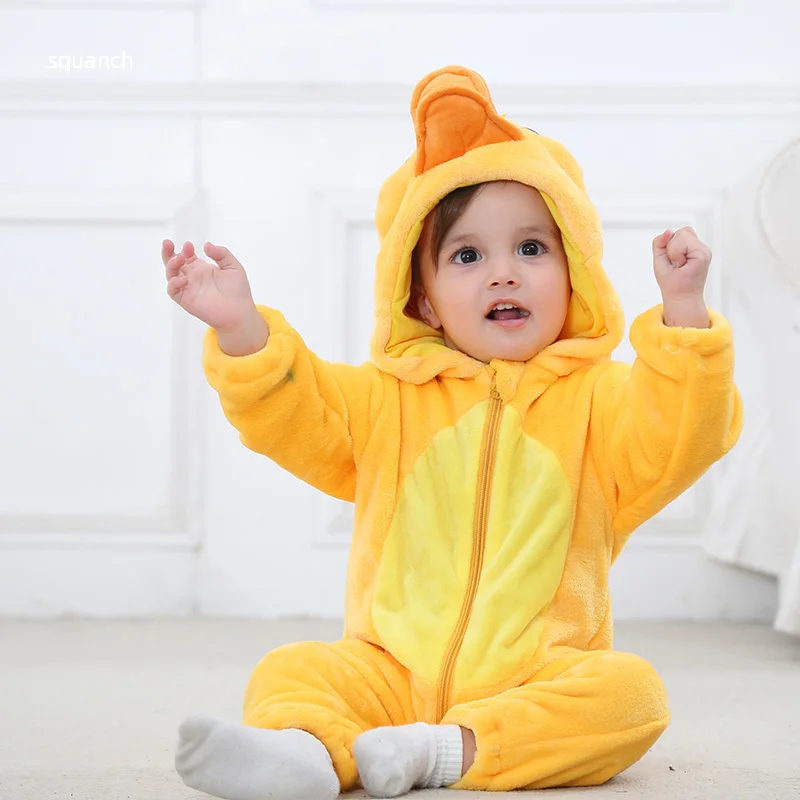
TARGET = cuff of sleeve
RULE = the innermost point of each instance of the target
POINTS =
(268, 365)
(489, 737)
(660, 344)
(703, 341)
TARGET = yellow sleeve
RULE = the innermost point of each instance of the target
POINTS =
(657, 426)
(309, 416)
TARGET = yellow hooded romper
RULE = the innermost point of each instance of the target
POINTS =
(490, 499)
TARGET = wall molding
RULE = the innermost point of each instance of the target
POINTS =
(703, 212)
(104, 5)
(93, 208)
(336, 212)
(527, 6)
(180, 525)
(339, 99)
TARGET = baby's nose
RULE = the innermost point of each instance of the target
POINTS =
(503, 280)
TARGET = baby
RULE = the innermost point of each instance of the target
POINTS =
(498, 461)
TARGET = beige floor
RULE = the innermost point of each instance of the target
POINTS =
(88, 710)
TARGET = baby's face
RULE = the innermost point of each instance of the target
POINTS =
(505, 250)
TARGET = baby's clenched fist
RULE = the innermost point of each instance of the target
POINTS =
(681, 263)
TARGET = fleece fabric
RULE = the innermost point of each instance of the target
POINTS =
(490, 498)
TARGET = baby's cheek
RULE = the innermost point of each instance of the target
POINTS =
(460, 302)
(554, 291)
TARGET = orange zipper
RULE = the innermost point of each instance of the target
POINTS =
(479, 524)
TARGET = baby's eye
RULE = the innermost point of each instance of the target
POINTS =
(469, 255)
(531, 248)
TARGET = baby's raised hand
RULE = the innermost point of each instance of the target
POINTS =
(218, 292)
(681, 262)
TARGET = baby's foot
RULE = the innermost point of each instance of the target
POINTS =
(237, 762)
(392, 761)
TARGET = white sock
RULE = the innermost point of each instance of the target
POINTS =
(237, 762)
(392, 761)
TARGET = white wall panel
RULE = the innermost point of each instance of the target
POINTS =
(102, 423)
(96, 155)
(101, 41)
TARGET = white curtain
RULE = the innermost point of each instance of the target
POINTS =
(755, 517)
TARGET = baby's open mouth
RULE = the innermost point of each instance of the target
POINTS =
(507, 311)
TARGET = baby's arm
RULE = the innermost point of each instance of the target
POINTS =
(659, 425)
(306, 414)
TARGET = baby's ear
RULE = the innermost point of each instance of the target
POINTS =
(419, 307)
(426, 310)
(413, 307)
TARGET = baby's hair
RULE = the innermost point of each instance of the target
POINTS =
(442, 218)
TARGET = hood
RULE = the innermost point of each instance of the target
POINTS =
(462, 140)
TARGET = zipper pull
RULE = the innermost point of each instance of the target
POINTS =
(493, 393)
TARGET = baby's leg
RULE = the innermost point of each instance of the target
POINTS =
(301, 695)
(578, 722)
